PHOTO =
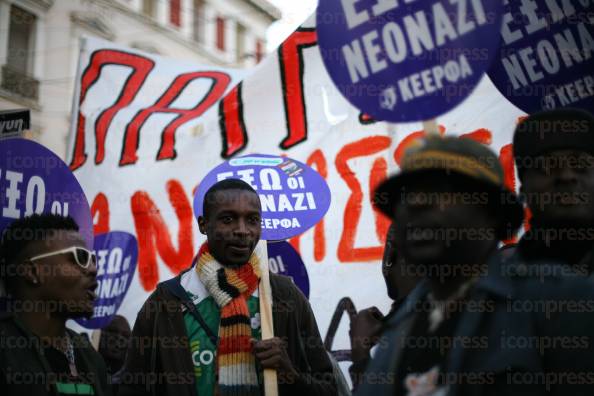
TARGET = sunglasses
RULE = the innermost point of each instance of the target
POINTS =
(82, 256)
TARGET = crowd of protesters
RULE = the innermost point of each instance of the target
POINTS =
(474, 311)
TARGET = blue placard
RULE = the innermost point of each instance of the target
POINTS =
(34, 180)
(546, 59)
(117, 255)
(283, 259)
(294, 196)
(405, 61)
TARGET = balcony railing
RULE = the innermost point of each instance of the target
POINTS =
(19, 83)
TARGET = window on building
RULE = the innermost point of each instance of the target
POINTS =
(18, 71)
(148, 8)
(198, 21)
(21, 40)
(220, 33)
(175, 12)
(240, 42)
(259, 50)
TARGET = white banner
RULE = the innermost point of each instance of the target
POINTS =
(147, 129)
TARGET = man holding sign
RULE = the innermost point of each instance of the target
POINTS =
(211, 311)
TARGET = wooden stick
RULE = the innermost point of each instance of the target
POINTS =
(267, 326)
(95, 338)
(430, 127)
(393, 135)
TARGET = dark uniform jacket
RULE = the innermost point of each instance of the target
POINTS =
(533, 251)
(25, 371)
(159, 358)
(524, 335)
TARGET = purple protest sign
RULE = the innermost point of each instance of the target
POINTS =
(404, 62)
(294, 197)
(33, 180)
(546, 59)
(117, 254)
(283, 259)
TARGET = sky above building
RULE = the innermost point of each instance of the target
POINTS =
(294, 13)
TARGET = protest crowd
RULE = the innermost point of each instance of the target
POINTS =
(490, 284)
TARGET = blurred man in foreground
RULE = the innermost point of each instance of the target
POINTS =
(468, 329)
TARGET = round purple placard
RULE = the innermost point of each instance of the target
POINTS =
(283, 259)
(546, 59)
(117, 254)
(294, 197)
(34, 180)
(407, 61)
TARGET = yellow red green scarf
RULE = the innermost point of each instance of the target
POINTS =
(230, 288)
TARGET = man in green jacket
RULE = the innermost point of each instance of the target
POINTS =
(49, 275)
(199, 333)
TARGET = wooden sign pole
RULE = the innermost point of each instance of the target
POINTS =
(267, 326)
(392, 134)
(95, 338)
(431, 128)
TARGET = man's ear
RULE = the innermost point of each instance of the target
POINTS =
(202, 225)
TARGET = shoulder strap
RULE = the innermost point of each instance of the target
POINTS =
(174, 287)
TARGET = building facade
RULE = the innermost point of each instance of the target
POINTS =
(40, 43)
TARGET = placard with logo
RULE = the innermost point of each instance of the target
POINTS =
(117, 255)
(546, 59)
(407, 61)
(294, 197)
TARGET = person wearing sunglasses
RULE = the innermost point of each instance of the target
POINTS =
(50, 277)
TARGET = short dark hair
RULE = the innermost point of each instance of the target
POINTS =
(20, 233)
(223, 185)
(559, 129)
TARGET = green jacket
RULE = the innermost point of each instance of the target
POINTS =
(24, 370)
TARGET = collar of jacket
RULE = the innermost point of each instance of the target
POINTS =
(495, 284)
(530, 249)
(79, 342)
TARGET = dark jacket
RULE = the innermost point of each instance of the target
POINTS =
(531, 250)
(159, 358)
(357, 369)
(26, 372)
(523, 336)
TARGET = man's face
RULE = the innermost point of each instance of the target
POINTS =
(63, 284)
(439, 221)
(559, 188)
(232, 226)
(389, 265)
(400, 278)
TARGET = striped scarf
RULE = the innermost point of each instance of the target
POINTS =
(230, 288)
